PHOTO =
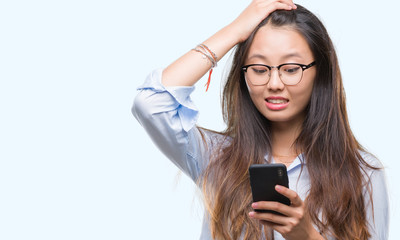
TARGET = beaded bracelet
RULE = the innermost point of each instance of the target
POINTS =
(207, 53)
(208, 50)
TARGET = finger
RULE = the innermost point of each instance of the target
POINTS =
(269, 217)
(274, 206)
(292, 195)
(284, 5)
(289, 2)
(277, 227)
(279, 4)
(271, 7)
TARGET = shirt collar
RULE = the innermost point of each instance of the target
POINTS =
(296, 163)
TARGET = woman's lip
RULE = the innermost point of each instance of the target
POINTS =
(276, 97)
(272, 104)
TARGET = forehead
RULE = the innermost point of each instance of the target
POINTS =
(275, 45)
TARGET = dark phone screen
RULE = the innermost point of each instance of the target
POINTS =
(264, 178)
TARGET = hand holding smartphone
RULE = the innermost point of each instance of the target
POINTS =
(263, 179)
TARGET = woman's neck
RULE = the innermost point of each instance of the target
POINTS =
(283, 139)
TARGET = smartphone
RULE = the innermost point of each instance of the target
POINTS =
(264, 178)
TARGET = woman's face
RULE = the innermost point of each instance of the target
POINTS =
(278, 102)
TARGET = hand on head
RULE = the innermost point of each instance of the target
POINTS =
(256, 12)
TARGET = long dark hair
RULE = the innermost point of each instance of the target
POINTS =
(335, 201)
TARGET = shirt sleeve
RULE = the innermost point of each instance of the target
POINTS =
(377, 212)
(169, 117)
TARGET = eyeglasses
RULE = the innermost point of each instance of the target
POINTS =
(289, 73)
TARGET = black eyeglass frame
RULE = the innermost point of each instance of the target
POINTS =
(302, 66)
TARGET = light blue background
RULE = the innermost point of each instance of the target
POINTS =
(75, 164)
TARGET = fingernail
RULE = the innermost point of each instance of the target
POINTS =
(278, 188)
(251, 214)
(254, 205)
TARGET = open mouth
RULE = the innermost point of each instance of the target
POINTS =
(277, 101)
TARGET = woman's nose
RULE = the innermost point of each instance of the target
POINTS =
(275, 83)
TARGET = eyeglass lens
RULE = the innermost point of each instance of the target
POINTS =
(289, 74)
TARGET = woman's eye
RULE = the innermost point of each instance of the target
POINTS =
(259, 70)
(291, 69)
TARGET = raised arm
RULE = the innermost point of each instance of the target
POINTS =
(188, 69)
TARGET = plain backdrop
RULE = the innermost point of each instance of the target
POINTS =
(75, 164)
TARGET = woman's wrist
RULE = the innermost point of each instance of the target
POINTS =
(223, 41)
(188, 69)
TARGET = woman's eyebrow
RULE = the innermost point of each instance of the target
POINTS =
(260, 56)
(286, 56)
